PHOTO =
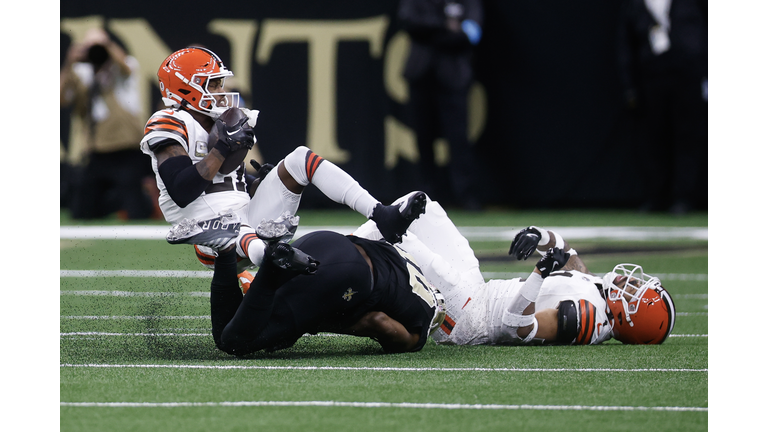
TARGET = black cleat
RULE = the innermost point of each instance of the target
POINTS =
(393, 220)
(217, 233)
(287, 257)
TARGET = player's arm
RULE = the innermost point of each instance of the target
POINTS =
(118, 56)
(520, 323)
(547, 330)
(392, 335)
(207, 168)
(534, 238)
(185, 180)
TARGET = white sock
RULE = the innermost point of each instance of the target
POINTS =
(305, 167)
(250, 246)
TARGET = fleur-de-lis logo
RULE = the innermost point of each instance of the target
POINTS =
(348, 295)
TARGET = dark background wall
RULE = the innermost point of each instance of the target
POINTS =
(554, 131)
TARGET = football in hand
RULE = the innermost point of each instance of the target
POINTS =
(235, 158)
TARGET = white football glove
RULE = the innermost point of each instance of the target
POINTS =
(253, 115)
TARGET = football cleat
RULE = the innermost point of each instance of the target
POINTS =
(217, 233)
(393, 220)
(280, 230)
(287, 257)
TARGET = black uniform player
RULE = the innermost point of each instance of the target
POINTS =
(361, 287)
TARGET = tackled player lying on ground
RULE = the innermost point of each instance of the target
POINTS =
(561, 302)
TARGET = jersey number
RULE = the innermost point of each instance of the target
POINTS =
(424, 290)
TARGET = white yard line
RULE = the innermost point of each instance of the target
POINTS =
(339, 404)
(378, 369)
(207, 334)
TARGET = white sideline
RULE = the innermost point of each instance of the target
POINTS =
(377, 369)
(377, 405)
(158, 232)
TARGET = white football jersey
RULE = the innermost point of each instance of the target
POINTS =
(479, 322)
(227, 191)
(475, 308)
(576, 286)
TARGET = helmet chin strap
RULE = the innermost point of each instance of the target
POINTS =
(214, 113)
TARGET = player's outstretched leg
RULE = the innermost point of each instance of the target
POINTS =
(217, 233)
(394, 220)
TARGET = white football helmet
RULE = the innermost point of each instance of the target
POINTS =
(643, 311)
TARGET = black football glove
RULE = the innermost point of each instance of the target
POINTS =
(525, 243)
(553, 260)
(235, 137)
(261, 172)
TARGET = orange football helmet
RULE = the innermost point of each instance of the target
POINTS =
(184, 79)
(643, 311)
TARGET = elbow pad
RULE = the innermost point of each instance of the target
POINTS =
(182, 180)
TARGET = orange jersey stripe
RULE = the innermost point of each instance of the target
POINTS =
(588, 313)
(166, 123)
(313, 161)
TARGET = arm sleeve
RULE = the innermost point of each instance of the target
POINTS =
(182, 180)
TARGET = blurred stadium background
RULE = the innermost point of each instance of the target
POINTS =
(328, 75)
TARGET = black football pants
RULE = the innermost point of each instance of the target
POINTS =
(281, 306)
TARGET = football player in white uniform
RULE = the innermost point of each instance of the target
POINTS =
(188, 167)
(561, 302)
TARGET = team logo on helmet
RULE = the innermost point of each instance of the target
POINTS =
(193, 78)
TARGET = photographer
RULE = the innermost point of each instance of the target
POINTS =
(99, 81)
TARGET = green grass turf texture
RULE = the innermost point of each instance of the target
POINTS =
(569, 377)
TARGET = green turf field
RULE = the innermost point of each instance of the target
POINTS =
(136, 352)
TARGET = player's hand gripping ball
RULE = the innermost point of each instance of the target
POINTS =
(233, 137)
